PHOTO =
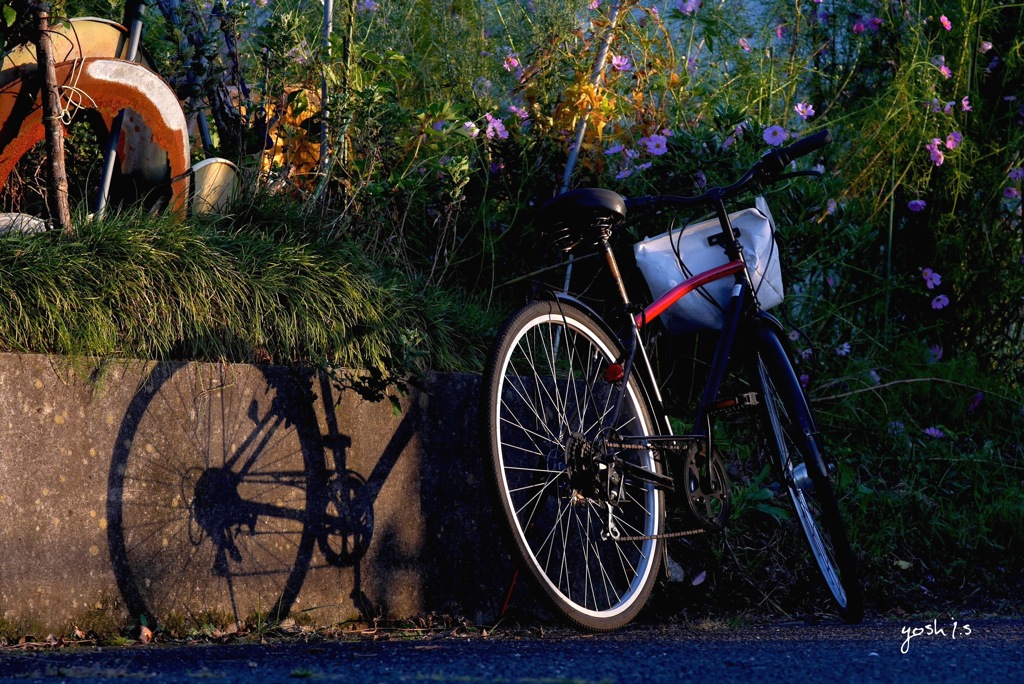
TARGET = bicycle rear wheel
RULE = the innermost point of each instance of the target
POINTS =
(792, 437)
(546, 403)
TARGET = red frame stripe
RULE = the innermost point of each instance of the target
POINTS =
(684, 288)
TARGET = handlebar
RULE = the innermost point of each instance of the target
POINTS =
(767, 170)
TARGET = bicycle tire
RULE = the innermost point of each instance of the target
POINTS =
(544, 388)
(802, 469)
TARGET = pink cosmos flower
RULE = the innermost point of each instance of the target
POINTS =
(858, 27)
(744, 44)
(931, 278)
(775, 135)
(916, 205)
(1016, 174)
(984, 46)
(940, 302)
(495, 127)
(1011, 193)
(804, 110)
(954, 139)
(656, 144)
(934, 433)
(689, 6)
(621, 63)
(965, 105)
(946, 23)
(934, 149)
(511, 62)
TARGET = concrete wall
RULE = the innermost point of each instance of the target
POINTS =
(180, 491)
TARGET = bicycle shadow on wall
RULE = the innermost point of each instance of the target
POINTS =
(223, 494)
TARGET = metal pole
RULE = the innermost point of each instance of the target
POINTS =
(581, 125)
(595, 76)
(110, 155)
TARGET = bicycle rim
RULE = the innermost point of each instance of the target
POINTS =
(810, 489)
(548, 400)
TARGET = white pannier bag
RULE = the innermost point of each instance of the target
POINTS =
(703, 309)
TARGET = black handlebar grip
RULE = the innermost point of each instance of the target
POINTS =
(774, 162)
(805, 146)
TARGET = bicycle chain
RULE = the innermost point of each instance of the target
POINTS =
(663, 535)
(636, 446)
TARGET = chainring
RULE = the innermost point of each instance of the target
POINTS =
(706, 487)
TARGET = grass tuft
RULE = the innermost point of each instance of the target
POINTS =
(140, 286)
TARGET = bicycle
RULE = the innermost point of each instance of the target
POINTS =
(580, 444)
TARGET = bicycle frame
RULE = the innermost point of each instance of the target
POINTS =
(739, 302)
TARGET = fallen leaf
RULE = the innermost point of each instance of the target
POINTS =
(145, 635)
(904, 565)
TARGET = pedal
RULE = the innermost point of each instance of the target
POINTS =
(746, 400)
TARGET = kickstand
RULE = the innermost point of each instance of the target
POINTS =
(508, 596)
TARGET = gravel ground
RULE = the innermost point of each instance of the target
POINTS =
(915, 650)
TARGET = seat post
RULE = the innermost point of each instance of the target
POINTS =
(613, 265)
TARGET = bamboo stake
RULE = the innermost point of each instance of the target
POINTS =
(57, 179)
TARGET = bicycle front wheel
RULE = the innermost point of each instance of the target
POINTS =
(793, 441)
(547, 403)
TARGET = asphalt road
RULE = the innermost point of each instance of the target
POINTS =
(985, 650)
